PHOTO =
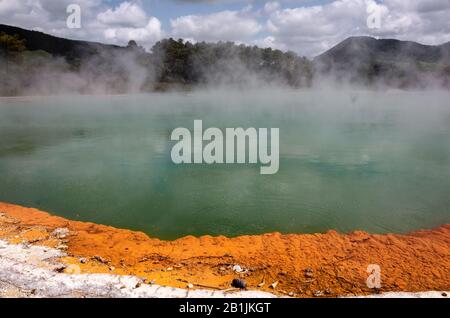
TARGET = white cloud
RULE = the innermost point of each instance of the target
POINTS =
(271, 6)
(270, 41)
(423, 21)
(117, 25)
(148, 34)
(224, 25)
(10, 6)
(127, 14)
(312, 30)
(128, 21)
(288, 25)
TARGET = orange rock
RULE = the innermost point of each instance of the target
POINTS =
(418, 261)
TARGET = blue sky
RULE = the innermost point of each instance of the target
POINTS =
(166, 10)
(307, 27)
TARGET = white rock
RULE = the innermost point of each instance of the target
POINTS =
(27, 268)
(61, 232)
(237, 269)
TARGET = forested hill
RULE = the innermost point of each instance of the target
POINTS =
(366, 48)
(70, 49)
(403, 63)
(169, 62)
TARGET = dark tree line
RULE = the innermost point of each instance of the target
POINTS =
(40, 63)
(227, 63)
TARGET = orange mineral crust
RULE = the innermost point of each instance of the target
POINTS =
(299, 265)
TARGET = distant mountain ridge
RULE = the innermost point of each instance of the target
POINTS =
(357, 48)
(366, 60)
(363, 48)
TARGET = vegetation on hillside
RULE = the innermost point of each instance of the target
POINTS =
(171, 62)
(227, 63)
(403, 64)
(37, 63)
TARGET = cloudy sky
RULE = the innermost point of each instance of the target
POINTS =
(307, 27)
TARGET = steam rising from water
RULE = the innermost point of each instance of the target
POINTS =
(108, 72)
(132, 70)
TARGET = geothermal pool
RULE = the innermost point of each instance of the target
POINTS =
(374, 161)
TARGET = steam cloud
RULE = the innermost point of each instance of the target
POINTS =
(177, 64)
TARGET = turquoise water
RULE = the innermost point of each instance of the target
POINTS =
(375, 161)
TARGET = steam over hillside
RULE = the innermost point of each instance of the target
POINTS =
(37, 63)
(387, 61)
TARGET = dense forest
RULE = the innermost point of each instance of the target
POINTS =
(227, 63)
(36, 63)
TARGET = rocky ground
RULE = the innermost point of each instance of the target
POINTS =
(34, 271)
(47, 256)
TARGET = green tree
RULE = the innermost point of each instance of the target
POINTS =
(11, 45)
(11, 48)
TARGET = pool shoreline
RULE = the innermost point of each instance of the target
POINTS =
(298, 265)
